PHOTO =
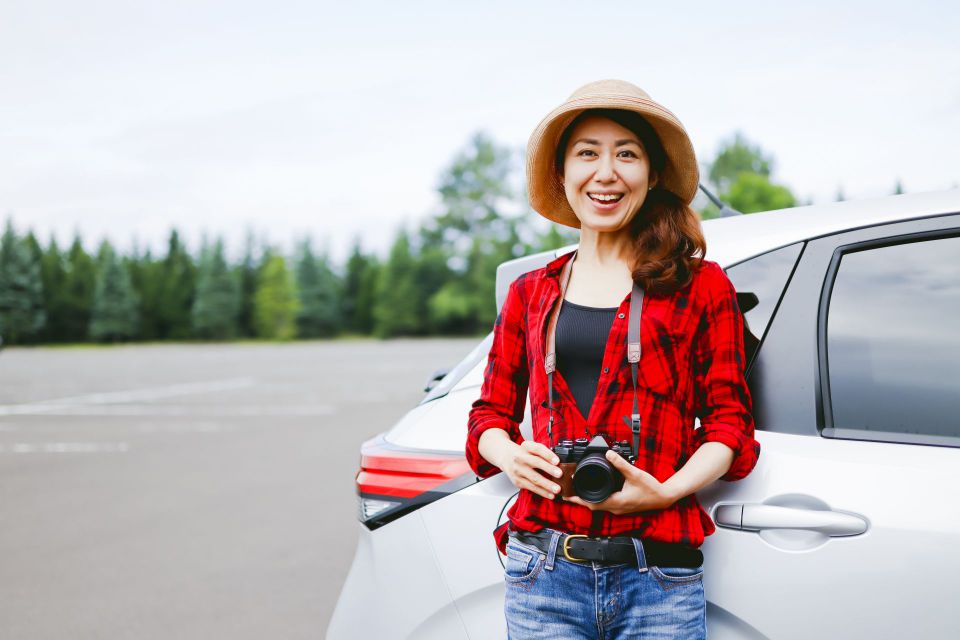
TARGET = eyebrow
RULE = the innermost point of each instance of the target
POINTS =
(619, 143)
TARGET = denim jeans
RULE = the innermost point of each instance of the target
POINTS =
(548, 596)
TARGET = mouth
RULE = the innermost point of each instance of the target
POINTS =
(605, 201)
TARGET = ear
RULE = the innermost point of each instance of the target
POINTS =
(654, 179)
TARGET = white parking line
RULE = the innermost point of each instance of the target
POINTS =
(65, 447)
(56, 405)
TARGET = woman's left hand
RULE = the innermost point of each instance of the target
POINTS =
(641, 491)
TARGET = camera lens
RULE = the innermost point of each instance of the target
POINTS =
(594, 478)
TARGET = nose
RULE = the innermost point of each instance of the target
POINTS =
(605, 172)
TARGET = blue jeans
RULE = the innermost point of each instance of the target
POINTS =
(548, 596)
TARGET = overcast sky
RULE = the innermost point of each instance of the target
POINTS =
(125, 118)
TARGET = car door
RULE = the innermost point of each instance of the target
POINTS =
(849, 526)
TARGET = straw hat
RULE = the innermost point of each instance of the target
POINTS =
(680, 174)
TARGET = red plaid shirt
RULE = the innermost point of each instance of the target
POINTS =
(691, 367)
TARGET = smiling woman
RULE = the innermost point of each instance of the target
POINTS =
(622, 344)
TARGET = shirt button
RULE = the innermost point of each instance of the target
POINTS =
(606, 369)
(620, 315)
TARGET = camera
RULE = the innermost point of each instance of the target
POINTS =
(586, 470)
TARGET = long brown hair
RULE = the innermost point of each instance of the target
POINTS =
(668, 241)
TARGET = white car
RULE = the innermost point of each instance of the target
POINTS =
(848, 527)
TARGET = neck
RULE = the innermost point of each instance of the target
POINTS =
(605, 249)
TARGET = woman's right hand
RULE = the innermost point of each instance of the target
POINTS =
(522, 464)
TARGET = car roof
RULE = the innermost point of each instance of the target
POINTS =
(738, 238)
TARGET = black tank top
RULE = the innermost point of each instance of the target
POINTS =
(581, 340)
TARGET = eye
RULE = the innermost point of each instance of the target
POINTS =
(583, 151)
(630, 152)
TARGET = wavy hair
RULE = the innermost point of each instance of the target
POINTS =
(667, 237)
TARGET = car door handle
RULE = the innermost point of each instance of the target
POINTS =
(759, 517)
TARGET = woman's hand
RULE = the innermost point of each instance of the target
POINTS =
(641, 491)
(521, 465)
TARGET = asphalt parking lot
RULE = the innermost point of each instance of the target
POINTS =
(190, 491)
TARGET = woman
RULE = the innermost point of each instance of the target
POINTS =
(620, 167)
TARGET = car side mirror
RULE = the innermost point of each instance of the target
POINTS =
(436, 377)
(747, 301)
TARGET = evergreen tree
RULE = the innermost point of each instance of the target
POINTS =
(216, 303)
(319, 292)
(275, 301)
(177, 289)
(366, 296)
(145, 277)
(115, 313)
(246, 277)
(53, 272)
(78, 298)
(898, 188)
(397, 300)
(357, 294)
(21, 288)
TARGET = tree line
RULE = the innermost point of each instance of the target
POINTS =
(437, 279)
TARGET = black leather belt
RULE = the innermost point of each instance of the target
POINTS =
(614, 550)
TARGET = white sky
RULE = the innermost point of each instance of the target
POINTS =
(124, 118)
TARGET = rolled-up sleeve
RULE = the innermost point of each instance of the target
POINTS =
(723, 402)
(503, 395)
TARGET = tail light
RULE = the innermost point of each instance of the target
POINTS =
(393, 481)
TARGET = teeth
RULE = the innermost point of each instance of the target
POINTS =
(605, 198)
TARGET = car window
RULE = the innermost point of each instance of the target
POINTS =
(464, 367)
(764, 277)
(892, 344)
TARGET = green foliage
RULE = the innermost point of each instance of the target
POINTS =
(359, 283)
(145, 277)
(397, 294)
(319, 291)
(738, 156)
(115, 314)
(750, 193)
(215, 305)
(741, 172)
(22, 313)
(246, 277)
(78, 301)
(176, 291)
(275, 304)
(53, 273)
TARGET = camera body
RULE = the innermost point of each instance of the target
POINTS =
(586, 471)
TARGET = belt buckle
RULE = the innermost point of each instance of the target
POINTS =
(566, 550)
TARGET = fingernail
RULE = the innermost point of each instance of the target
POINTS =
(558, 473)
(556, 488)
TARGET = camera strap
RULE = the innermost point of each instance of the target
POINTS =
(633, 351)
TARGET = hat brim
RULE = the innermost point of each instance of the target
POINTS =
(680, 175)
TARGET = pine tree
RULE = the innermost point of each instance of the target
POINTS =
(319, 292)
(78, 298)
(21, 288)
(115, 313)
(216, 303)
(275, 301)
(53, 271)
(178, 280)
(397, 293)
(358, 290)
(145, 279)
(246, 277)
